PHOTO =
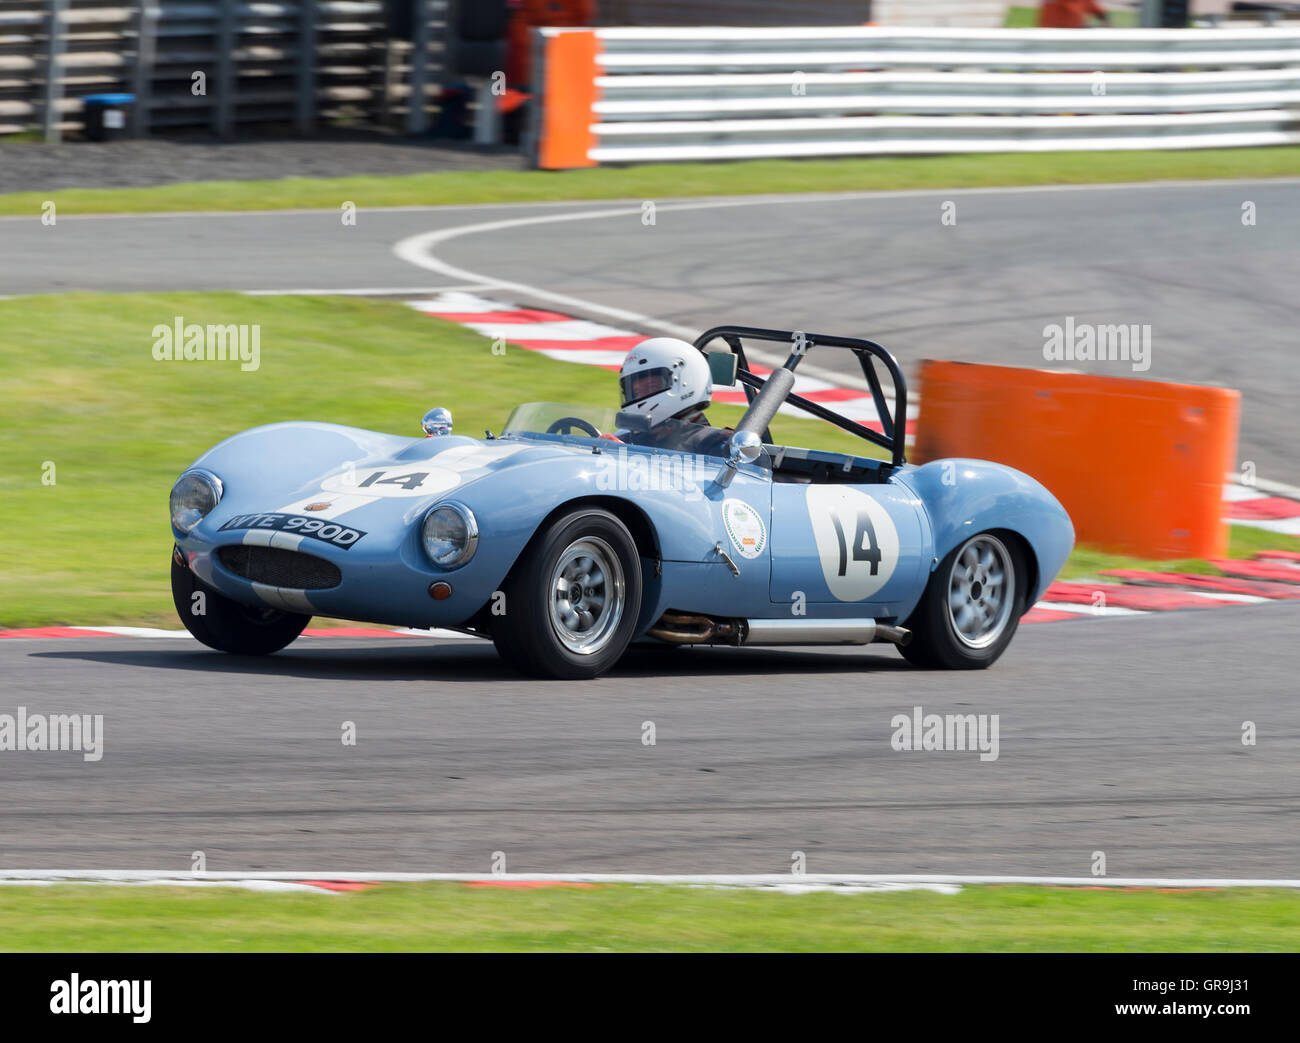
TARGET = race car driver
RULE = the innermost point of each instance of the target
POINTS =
(665, 386)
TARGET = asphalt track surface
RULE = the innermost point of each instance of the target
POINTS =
(1218, 295)
(1120, 735)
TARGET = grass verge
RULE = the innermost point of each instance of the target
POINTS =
(666, 180)
(638, 918)
(82, 392)
(1244, 542)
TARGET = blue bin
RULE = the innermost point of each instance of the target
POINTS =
(108, 116)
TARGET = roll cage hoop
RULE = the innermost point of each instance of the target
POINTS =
(762, 407)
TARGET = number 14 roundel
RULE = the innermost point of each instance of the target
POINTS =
(856, 541)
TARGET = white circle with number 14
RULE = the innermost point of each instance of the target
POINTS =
(856, 540)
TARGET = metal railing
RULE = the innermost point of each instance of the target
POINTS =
(214, 64)
(716, 93)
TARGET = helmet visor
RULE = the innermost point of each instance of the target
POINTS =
(644, 383)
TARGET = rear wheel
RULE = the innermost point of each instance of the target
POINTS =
(971, 606)
(227, 625)
(573, 598)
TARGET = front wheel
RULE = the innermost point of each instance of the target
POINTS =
(227, 625)
(971, 606)
(572, 599)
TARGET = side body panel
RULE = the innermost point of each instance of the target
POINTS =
(847, 551)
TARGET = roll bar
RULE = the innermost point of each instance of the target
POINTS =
(767, 396)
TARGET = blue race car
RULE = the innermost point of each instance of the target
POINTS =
(563, 545)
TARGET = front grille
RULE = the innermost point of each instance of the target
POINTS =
(280, 568)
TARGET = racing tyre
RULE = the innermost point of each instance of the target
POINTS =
(572, 599)
(971, 606)
(227, 625)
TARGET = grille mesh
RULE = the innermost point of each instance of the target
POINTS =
(280, 568)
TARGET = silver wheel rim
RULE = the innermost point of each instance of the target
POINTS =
(587, 595)
(981, 591)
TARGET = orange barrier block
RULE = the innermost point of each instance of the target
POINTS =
(1139, 464)
(569, 93)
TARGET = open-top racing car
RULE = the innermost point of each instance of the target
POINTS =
(563, 545)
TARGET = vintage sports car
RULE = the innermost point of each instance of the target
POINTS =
(563, 546)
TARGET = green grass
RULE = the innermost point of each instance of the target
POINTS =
(624, 917)
(1244, 542)
(1027, 18)
(81, 390)
(660, 181)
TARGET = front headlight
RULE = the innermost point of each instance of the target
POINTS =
(193, 496)
(450, 535)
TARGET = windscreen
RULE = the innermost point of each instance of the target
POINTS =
(561, 418)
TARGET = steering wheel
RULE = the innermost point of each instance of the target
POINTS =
(566, 424)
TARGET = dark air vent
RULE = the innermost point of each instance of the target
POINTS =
(280, 568)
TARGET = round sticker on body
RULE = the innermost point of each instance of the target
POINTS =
(856, 541)
(744, 527)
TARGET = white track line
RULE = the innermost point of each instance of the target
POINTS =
(418, 250)
(438, 633)
(247, 884)
(718, 879)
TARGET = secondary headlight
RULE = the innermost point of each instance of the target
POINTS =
(450, 535)
(193, 496)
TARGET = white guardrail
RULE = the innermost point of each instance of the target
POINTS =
(648, 95)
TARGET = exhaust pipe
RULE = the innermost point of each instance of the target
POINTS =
(682, 628)
(810, 632)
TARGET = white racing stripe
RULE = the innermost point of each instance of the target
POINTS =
(272, 538)
(339, 503)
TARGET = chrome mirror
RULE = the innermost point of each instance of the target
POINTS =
(744, 448)
(436, 422)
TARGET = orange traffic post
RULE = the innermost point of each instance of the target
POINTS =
(568, 99)
(1138, 464)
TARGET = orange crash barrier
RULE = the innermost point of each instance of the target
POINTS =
(569, 93)
(1139, 464)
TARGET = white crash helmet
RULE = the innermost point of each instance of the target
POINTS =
(663, 377)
